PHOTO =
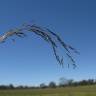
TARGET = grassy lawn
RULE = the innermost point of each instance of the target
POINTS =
(68, 91)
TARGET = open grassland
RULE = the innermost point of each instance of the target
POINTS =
(67, 91)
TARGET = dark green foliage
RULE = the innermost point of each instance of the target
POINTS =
(52, 84)
(43, 85)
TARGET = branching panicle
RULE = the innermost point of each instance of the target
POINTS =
(47, 35)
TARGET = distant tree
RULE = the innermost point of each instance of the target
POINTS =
(63, 82)
(95, 81)
(52, 84)
(43, 85)
(70, 82)
(11, 86)
(4, 87)
(20, 87)
(83, 82)
(91, 81)
(50, 37)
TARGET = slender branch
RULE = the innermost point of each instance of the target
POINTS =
(47, 35)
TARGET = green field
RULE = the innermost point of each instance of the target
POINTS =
(67, 91)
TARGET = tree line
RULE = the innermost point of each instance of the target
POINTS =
(62, 83)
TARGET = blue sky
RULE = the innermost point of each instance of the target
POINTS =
(30, 61)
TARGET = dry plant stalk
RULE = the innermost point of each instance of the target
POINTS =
(45, 33)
